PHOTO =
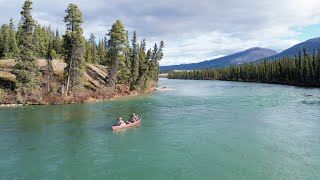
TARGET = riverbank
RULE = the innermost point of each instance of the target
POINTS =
(86, 97)
(51, 88)
(70, 100)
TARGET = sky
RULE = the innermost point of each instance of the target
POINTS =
(193, 30)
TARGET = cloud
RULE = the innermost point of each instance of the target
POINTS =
(192, 30)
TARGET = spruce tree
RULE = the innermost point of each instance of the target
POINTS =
(74, 49)
(143, 59)
(36, 41)
(19, 34)
(102, 52)
(143, 66)
(127, 55)
(93, 43)
(5, 41)
(1, 42)
(57, 44)
(26, 68)
(88, 53)
(116, 49)
(14, 50)
(134, 61)
(49, 71)
(157, 55)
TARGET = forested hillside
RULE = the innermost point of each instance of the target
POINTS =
(128, 64)
(302, 70)
(309, 45)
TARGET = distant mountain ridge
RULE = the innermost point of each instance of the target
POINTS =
(310, 45)
(248, 55)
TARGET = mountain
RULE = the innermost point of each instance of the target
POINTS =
(254, 54)
(310, 45)
(248, 55)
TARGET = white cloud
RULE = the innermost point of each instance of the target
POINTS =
(192, 30)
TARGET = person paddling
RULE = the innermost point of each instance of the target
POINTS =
(120, 122)
(133, 118)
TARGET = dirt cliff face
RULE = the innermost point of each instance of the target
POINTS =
(95, 77)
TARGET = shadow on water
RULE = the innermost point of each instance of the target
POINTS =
(310, 99)
(311, 102)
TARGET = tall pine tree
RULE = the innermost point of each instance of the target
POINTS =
(14, 50)
(116, 50)
(5, 42)
(94, 51)
(74, 49)
(134, 61)
(26, 68)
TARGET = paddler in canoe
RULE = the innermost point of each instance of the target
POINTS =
(134, 120)
(120, 122)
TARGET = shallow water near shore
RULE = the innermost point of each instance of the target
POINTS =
(197, 130)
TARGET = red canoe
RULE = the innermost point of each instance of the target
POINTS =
(138, 122)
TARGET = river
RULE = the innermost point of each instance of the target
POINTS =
(197, 130)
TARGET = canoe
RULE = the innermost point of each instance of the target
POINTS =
(138, 122)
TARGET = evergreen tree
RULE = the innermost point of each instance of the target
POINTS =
(1, 42)
(49, 72)
(157, 55)
(144, 57)
(88, 53)
(36, 41)
(143, 67)
(14, 50)
(127, 61)
(26, 68)
(74, 49)
(305, 65)
(19, 34)
(93, 43)
(116, 50)
(102, 52)
(134, 61)
(5, 41)
(57, 45)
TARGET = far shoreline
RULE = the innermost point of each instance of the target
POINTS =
(258, 82)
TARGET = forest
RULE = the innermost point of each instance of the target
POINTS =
(302, 70)
(128, 63)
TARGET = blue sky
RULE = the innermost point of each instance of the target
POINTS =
(306, 32)
(192, 30)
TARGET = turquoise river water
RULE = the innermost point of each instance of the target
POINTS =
(199, 130)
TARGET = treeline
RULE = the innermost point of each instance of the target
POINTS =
(303, 70)
(128, 61)
(10, 41)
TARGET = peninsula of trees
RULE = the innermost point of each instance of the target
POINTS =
(92, 68)
(303, 70)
